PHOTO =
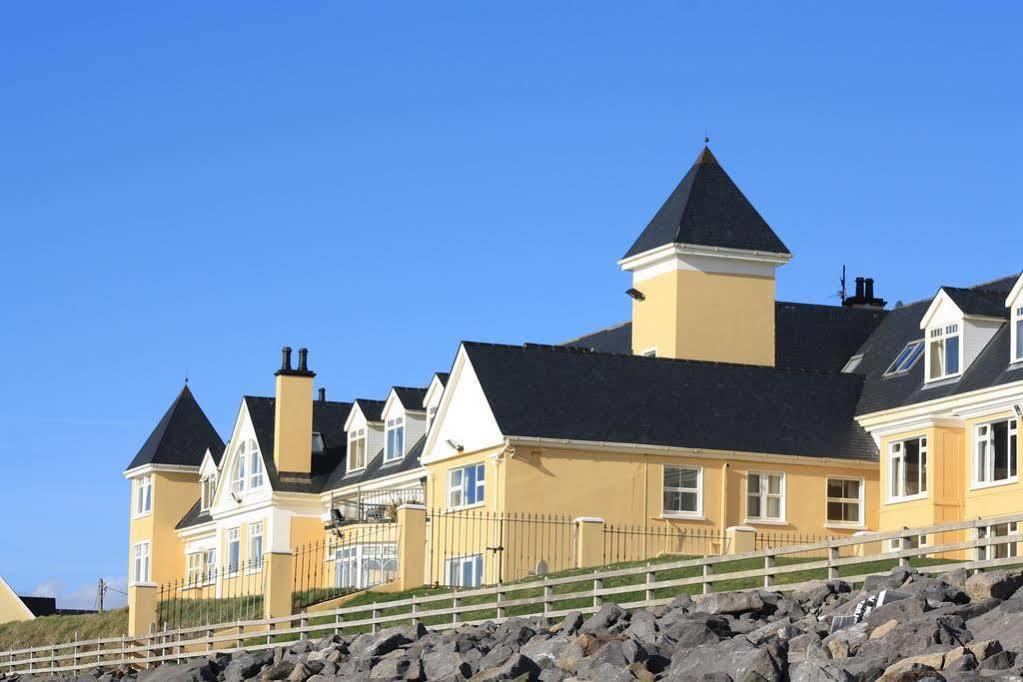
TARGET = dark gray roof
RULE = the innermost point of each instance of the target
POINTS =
(328, 420)
(181, 437)
(372, 410)
(411, 398)
(443, 376)
(807, 336)
(707, 209)
(194, 516)
(376, 468)
(978, 301)
(558, 392)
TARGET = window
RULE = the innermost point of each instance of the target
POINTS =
(464, 571)
(143, 495)
(238, 482)
(845, 501)
(765, 496)
(209, 489)
(211, 564)
(853, 364)
(906, 358)
(907, 468)
(944, 352)
(912, 542)
(1002, 551)
(995, 452)
(1017, 331)
(255, 466)
(200, 567)
(357, 449)
(682, 486)
(466, 486)
(431, 416)
(256, 545)
(317, 443)
(649, 353)
(140, 566)
(234, 550)
(363, 566)
(395, 449)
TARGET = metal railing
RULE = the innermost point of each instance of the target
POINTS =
(639, 543)
(632, 587)
(357, 557)
(213, 595)
(375, 506)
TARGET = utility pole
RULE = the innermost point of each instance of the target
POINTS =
(100, 589)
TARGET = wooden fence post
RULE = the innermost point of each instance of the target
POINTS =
(903, 546)
(708, 571)
(598, 584)
(832, 569)
(548, 592)
(651, 577)
(769, 563)
(500, 600)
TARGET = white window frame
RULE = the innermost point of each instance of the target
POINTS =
(853, 364)
(195, 572)
(233, 558)
(255, 560)
(895, 544)
(255, 466)
(238, 474)
(356, 437)
(907, 358)
(665, 489)
(431, 416)
(939, 336)
(141, 567)
(860, 522)
(764, 496)
(353, 564)
(458, 491)
(395, 425)
(473, 560)
(896, 452)
(1007, 550)
(208, 489)
(142, 496)
(1016, 343)
(984, 440)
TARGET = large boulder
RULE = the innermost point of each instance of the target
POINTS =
(608, 616)
(719, 603)
(442, 665)
(737, 658)
(997, 584)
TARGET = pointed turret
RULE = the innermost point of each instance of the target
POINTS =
(181, 437)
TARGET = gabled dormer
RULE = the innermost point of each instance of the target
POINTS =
(365, 431)
(404, 422)
(956, 327)
(1014, 304)
(241, 476)
(209, 474)
(431, 401)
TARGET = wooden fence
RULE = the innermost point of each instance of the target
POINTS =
(651, 584)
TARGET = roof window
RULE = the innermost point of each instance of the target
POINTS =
(906, 359)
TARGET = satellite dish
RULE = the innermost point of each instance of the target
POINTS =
(541, 567)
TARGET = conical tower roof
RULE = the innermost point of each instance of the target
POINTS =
(182, 436)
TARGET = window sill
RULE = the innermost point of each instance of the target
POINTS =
(766, 522)
(845, 526)
(942, 381)
(475, 505)
(352, 472)
(391, 462)
(142, 515)
(681, 516)
(977, 485)
(911, 498)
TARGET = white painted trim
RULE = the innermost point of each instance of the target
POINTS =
(676, 513)
(1014, 294)
(675, 251)
(157, 468)
(588, 519)
(872, 421)
(781, 520)
(828, 523)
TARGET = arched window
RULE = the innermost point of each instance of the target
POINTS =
(238, 480)
(256, 466)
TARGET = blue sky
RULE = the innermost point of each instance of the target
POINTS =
(190, 186)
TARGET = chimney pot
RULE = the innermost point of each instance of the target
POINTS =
(323, 395)
(859, 287)
(870, 289)
(303, 359)
(286, 359)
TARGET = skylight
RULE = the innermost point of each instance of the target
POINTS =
(906, 359)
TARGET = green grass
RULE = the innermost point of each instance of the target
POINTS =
(61, 629)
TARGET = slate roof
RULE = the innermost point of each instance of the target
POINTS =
(411, 398)
(182, 436)
(373, 410)
(194, 516)
(443, 376)
(557, 392)
(978, 302)
(376, 468)
(708, 209)
(807, 336)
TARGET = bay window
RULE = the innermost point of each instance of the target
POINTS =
(765, 496)
(844, 501)
(995, 452)
(466, 486)
(682, 490)
(356, 449)
(943, 352)
(907, 468)
(395, 448)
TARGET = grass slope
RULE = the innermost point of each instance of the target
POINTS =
(61, 629)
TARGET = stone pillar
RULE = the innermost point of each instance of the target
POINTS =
(740, 539)
(411, 546)
(280, 581)
(142, 602)
(589, 534)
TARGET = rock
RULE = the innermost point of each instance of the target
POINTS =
(246, 665)
(998, 584)
(570, 624)
(884, 628)
(682, 601)
(893, 580)
(701, 629)
(608, 615)
(926, 661)
(279, 670)
(730, 603)
(844, 643)
(734, 657)
(513, 668)
(390, 668)
(1003, 660)
(198, 670)
(540, 650)
(441, 665)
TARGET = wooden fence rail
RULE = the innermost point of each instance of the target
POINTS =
(448, 609)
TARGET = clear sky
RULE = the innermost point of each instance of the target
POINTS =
(190, 186)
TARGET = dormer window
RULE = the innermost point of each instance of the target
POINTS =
(256, 466)
(395, 448)
(1017, 334)
(356, 449)
(209, 489)
(905, 360)
(248, 467)
(318, 446)
(943, 352)
(238, 480)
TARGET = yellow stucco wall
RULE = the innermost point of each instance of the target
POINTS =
(293, 419)
(11, 607)
(173, 495)
(706, 316)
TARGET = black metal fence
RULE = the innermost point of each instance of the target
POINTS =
(375, 505)
(639, 543)
(774, 540)
(356, 558)
(213, 595)
(471, 547)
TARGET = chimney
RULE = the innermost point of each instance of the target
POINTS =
(859, 288)
(864, 297)
(293, 414)
(322, 395)
(869, 293)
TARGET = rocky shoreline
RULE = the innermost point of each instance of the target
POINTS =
(899, 626)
